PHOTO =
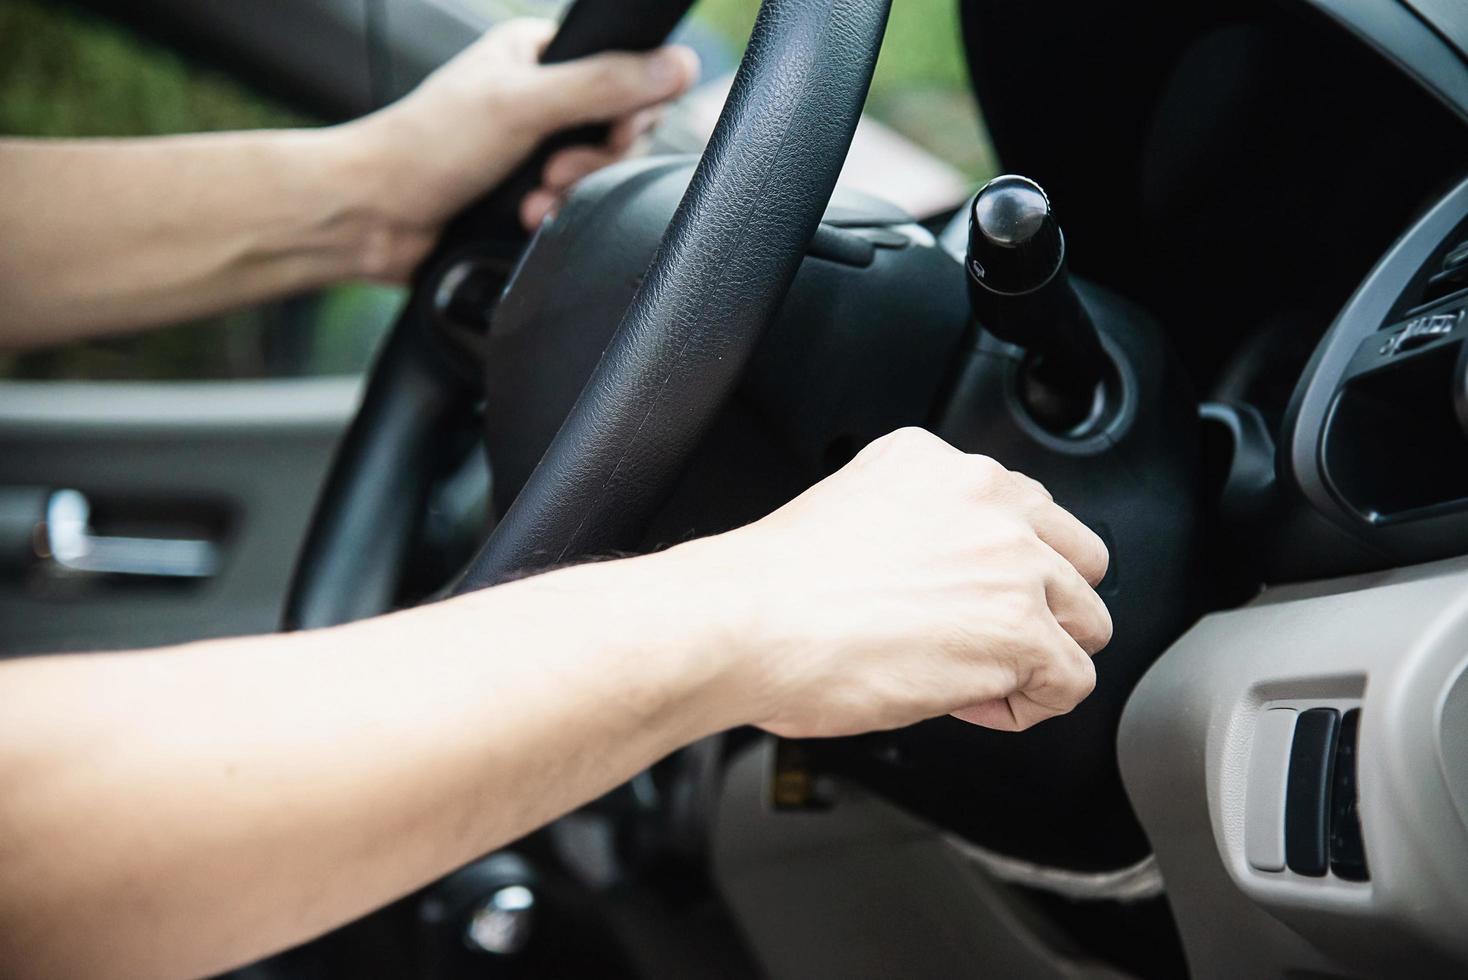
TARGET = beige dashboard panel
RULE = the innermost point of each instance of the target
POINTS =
(1394, 644)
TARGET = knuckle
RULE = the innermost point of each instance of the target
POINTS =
(904, 443)
(1076, 679)
(911, 437)
(1035, 485)
(1030, 558)
(1067, 678)
(989, 473)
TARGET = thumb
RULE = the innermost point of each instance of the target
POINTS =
(605, 87)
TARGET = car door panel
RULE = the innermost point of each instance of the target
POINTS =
(237, 462)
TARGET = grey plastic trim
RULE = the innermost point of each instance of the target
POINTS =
(1452, 728)
(1391, 642)
(1448, 18)
(42, 406)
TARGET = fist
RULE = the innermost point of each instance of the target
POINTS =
(917, 581)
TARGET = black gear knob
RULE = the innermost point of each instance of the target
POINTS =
(1020, 291)
(1014, 243)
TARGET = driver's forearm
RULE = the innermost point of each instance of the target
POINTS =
(172, 813)
(106, 236)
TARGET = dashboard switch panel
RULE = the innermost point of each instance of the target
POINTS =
(1307, 799)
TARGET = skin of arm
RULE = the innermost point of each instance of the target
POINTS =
(106, 236)
(200, 807)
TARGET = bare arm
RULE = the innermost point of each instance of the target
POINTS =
(204, 806)
(220, 800)
(100, 236)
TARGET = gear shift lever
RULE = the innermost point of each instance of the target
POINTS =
(1020, 291)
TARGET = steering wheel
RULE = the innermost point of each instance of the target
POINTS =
(722, 269)
(605, 390)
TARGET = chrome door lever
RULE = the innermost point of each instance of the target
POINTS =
(72, 545)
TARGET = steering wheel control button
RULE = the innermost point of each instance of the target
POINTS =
(840, 245)
(1264, 802)
(1423, 330)
(1307, 799)
(1347, 848)
(884, 237)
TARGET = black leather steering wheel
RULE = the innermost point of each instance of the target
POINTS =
(719, 275)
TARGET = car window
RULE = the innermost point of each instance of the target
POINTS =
(66, 73)
(921, 89)
(921, 120)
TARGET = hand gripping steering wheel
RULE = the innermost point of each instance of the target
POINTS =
(723, 267)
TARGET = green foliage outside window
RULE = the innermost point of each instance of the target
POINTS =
(64, 73)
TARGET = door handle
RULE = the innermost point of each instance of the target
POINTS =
(74, 547)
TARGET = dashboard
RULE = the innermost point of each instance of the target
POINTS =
(1297, 761)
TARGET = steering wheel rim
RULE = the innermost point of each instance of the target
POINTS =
(718, 278)
(719, 275)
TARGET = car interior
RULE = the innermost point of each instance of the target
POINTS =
(1219, 307)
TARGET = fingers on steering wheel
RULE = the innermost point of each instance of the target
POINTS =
(561, 173)
(569, 166)
(538, 205)
(629, 129)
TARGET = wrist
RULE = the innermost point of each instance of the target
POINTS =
(710, 591)
(653, 630)
(679, 616)
(374, 193)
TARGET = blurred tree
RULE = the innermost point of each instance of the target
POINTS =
(64, 73)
